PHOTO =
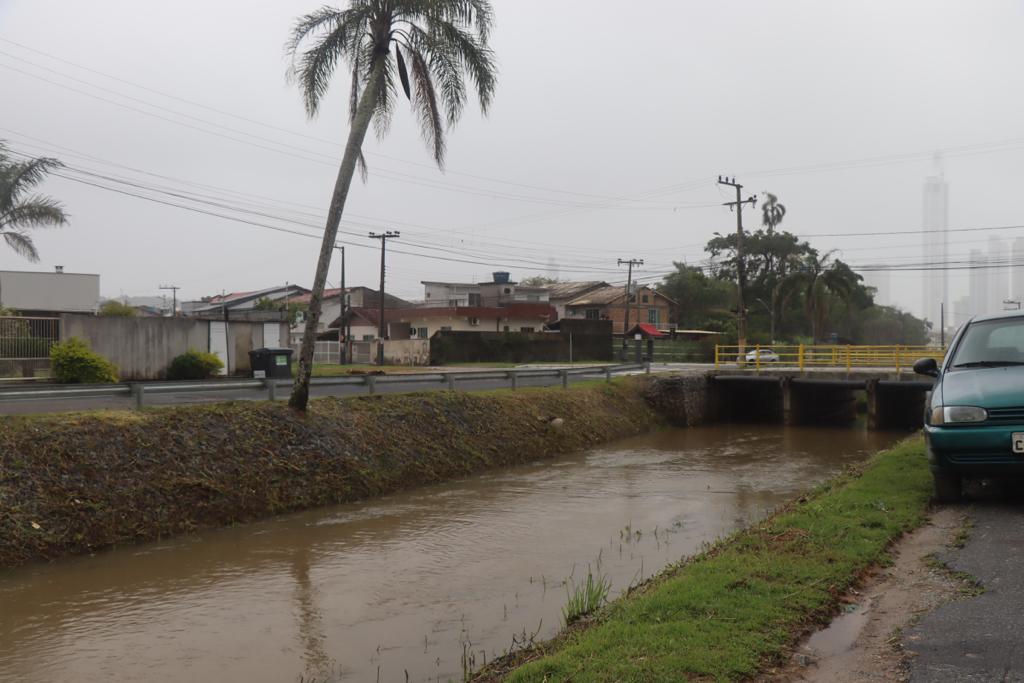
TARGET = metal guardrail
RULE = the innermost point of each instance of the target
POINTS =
(803, 356)
(138, 391)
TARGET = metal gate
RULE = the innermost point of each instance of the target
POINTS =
(25, 345)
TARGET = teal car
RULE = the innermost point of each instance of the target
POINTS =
(974, 420)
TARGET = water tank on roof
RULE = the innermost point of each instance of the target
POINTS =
(501, 277)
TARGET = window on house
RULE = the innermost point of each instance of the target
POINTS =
(526, 329)
(421, 332)
(446, 328)
(369, 337)
(506, 328)
(653, 317)
(643, 299)
(593, 314)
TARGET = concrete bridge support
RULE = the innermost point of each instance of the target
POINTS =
(817, 402)
(895, 405)
(794, 399)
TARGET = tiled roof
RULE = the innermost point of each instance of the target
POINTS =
(571, 290)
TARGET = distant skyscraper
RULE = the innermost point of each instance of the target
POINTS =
(936, 245)
(998, 274)
(981, 300)
(1017, 271)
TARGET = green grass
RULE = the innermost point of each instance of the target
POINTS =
(738, 607)
(586, 597)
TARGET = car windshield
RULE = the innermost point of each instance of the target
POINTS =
(991, 343)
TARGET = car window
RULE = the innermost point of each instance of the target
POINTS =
(992, 341)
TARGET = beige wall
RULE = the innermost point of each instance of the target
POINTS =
(142, 348)
(407, 352)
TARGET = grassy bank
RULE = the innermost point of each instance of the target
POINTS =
(78, 483)
(736, 608)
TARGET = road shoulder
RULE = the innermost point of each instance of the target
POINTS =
(866, 642)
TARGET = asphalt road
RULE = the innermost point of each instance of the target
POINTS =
(466, 382)
(978, 638)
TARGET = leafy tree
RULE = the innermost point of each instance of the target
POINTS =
(293, 308)
(823, 278)
(431, 46)
(539, 281)
(20, 209)
(116, 309)
(704, 302)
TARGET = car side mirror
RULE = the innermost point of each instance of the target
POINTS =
(926, 366)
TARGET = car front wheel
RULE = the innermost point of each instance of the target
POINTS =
(947, 487)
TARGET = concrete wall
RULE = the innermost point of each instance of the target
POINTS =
(142, 348)
(407, 352)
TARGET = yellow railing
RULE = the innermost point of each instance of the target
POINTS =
(762, 356)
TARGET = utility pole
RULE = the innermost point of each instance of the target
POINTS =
(629, 293)
(383, 237)
(741, 267)
(342, 345)
(174, 297)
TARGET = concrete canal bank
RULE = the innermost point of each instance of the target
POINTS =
(73, 484)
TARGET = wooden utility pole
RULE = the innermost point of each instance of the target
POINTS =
(741, 266)
(629, 287)
(381, 325)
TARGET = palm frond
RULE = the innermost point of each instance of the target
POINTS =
(403, 72)
(316, 66)
(17, 179)
(35, 212)
(427, 111)
(21, 244)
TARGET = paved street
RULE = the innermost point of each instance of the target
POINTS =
(978, 638)
(466, 382)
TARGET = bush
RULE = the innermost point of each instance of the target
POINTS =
(194, 364)
(116, 309)
(73, 362)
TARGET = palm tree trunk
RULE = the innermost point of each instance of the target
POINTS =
(357, 133)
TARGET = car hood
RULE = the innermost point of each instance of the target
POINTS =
(984, 387)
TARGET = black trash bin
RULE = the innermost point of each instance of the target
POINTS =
(271, 362)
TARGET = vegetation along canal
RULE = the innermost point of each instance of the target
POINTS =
(425, 582)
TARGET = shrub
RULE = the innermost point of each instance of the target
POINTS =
(194, 364)
(73, 362)
(116, 309)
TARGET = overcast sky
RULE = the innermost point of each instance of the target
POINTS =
(610, 125)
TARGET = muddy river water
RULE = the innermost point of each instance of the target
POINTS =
(422, 582)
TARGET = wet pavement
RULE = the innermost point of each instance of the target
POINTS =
(978, 638)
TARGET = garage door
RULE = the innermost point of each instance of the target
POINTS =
(272, 335)
(219, 343)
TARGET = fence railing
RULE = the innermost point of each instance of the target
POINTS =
(804, 356)
(138, 392)
(25, 345)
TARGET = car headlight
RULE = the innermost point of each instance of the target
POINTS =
(957, 415)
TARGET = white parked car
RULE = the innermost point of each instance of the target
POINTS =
(766, 356)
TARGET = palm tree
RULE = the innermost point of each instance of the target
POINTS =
(772, 212)
(823, 276)
(20, 209)
(436, 45)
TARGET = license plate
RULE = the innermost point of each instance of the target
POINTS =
(1017, 438)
